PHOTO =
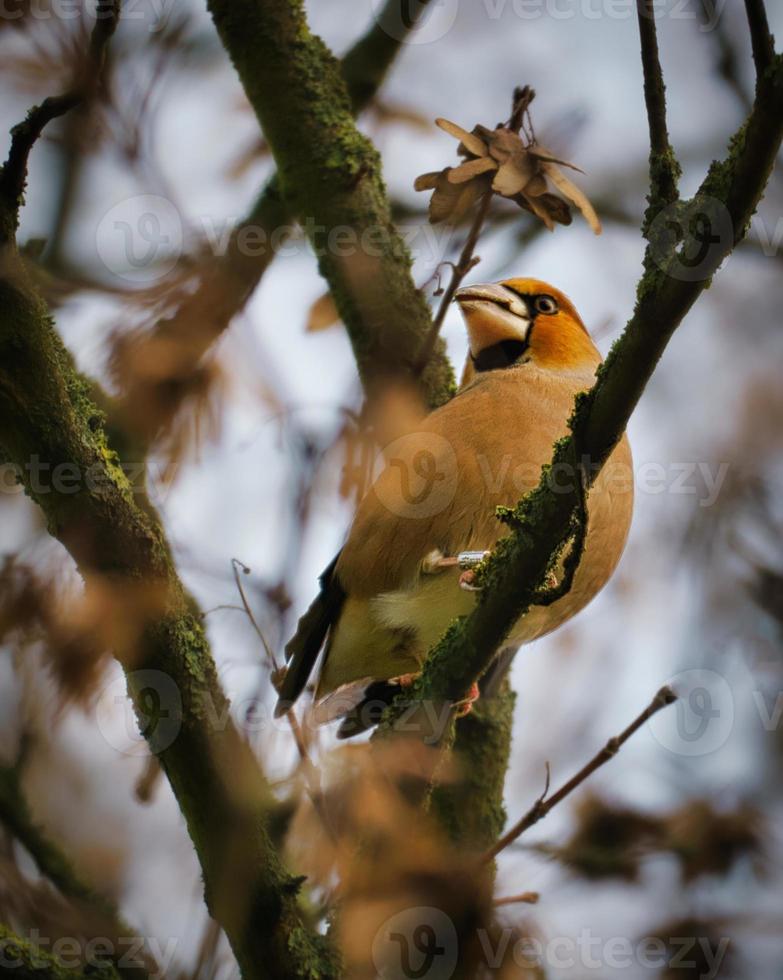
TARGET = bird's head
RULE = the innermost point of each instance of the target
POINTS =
(523, 320)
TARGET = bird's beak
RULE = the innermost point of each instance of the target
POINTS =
(492, 314)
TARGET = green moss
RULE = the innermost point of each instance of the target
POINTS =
(330, 176)
(26, 961)
(471, 808)
(319, 959)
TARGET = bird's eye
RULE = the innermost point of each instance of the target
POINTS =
(545, 304)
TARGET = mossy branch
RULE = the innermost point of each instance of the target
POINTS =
(762, 42)
(330, 179)
(54, 865)
(670, 286)
(116, 540)
(664, 168)
(470, 809)
(24, 960)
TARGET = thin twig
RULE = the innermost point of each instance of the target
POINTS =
(654, 89)
(24, 135)
(664, 169)
(526, 898)
(459, 270)
(236, 565)
(519, 111)
(760, 37)
(310, 771)
(544, 804)
(467, 260)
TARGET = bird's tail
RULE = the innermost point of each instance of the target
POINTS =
(303, 648)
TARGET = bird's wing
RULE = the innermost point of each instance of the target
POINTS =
(303, 648)
(441, 484)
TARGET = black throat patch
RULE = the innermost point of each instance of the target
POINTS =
(501, 355)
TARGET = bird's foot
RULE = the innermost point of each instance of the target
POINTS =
(465, 706)
(468, 560)
(466, 581)
(436, 562)
(405, 680)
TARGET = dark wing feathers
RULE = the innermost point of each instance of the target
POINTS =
(303, 648)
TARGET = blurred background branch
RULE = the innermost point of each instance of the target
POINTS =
(148, 402)
(13, 174)
(116, 539)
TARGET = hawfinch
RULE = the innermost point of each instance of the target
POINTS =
(399, 580)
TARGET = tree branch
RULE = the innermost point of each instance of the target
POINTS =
(25, 961)
(50, 861)
(330, 178)
(47, 418)
(545, 803)
(760, 38)
(46, 414)
(459, 270)
(54, 865)
(13, 174)
(664, 168)
(470, 808)
(367, 63)
(668, 289)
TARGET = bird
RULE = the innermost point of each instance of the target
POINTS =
(400, 578)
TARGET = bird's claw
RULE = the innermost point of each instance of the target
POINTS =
(465, 706)
(466, 581)
(405, 680)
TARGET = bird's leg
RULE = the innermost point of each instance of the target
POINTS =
(436, 562)
(465, 706)
(467, 561)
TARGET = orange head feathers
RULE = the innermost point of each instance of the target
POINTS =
(523, 320)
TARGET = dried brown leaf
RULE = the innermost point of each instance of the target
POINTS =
(504, 144)
(428, 181)
(536, 186)
(515, 174)
(546, 156)
(574, 194)
(470, 169)
(322, 314)
(450, 202)
(470, 141)
(538, 208)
